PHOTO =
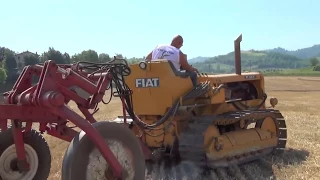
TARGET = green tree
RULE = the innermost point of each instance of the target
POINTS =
(120, 56)
(104, 57)
(89, 55)
(10, 62)
(66, 58)
(54, 55)
(43, 57)
(314, 61)
(316, 68)
(31, 60)
(75, 58)
(218, 68)
(2, 50)
(135, 60)
(3, 75)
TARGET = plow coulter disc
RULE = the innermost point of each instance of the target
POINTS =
(37, 153)
(83, 161)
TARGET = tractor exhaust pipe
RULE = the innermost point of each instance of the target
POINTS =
(237, 55)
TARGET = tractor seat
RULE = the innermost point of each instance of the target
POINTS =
(182, 74)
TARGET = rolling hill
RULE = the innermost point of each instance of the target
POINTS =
(256, 60)
(198, 59)
(304, 53)
(251, 60)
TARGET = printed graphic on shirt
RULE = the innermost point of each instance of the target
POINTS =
(164, 53)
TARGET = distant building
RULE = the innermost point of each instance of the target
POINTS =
(20, 58)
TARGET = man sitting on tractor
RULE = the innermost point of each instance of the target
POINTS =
(173, 53)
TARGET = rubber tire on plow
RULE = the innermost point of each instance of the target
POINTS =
(35, 147)
(77, 157)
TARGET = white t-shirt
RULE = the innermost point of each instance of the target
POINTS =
(167, 52)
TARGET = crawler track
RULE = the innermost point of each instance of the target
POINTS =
(191, 140)
(193, 164)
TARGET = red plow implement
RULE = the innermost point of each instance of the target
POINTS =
(24, 152)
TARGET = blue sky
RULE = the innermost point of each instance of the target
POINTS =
(135, 27)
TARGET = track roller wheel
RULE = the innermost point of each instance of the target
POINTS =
(276, 125)
(37, 153)
(83, 161)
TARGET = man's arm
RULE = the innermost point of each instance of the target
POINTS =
(184, 63)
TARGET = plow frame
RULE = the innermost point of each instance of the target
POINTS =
(46, 103)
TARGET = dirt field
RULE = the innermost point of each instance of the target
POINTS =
(299, 101)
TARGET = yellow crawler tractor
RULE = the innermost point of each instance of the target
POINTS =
(224, 120)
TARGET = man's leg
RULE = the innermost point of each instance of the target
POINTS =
(194, 77)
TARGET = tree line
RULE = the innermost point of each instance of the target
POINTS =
(250, 60)
(9, 67)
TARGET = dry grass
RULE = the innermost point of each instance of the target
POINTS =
(299, 103)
